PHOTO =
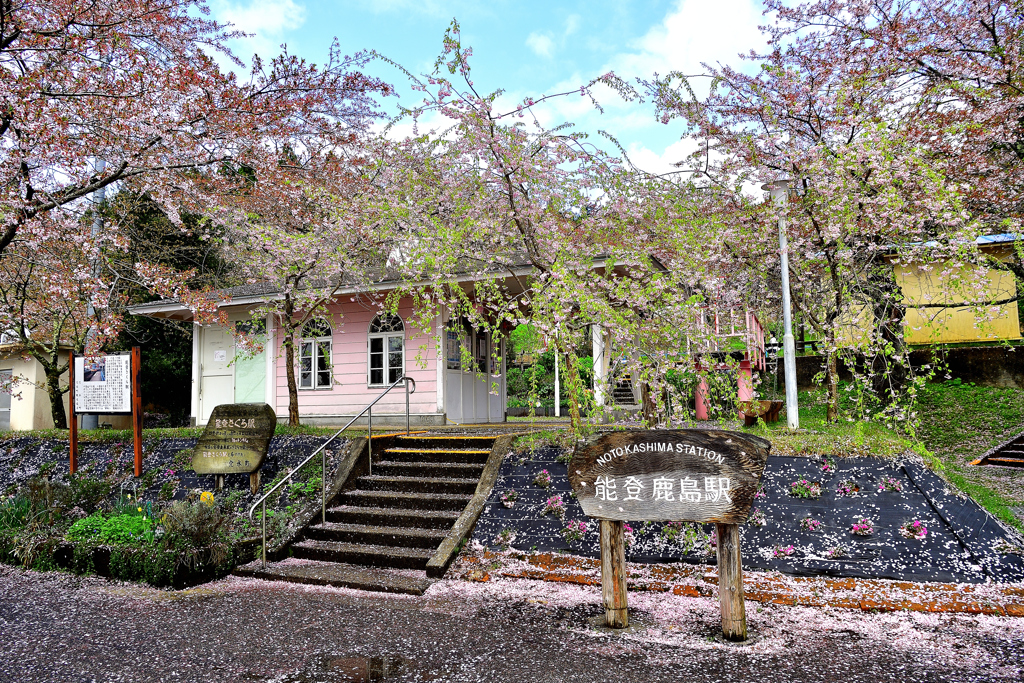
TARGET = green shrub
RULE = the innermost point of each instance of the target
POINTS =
(189, 528)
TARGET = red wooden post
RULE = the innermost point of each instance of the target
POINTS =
(136, 410)
(72, 420)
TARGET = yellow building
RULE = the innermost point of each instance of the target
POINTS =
(934, 296)
(927, 286)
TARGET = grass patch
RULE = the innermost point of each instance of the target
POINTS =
(960, 422)
(843, 439)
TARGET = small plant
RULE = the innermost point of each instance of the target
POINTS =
(543, 479)
(554, 506)
(863, 527)
(564, 458)
(783, 551)
(810, 524)
(628, 535)
(167, 491)
(574, 531)
(509, 498)
(847, 489)
(805, 489)
(890, 484)
(836, 551)
(914, 529)
(505, 538)
(757, 518)
(759, 493)
(828, 465)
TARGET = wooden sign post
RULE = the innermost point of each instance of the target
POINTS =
(683, 475)
(114, 389)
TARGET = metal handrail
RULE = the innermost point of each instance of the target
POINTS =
(323, 458)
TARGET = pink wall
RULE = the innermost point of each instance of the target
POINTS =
(350, 322)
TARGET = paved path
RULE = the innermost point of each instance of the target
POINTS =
(64, 628)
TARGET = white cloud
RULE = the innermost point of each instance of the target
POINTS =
(572, 23)
(265, 20)
(695, 32)
(541, 44)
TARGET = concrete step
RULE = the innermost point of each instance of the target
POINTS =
(363, 554)
(377, 482)
(338, 574)
(370, 534)
(394, 517)
(454, 470)
(455, 441)
(440, 455)
(406, 499)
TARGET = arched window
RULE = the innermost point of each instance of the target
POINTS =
(315, 355)
(386, 349)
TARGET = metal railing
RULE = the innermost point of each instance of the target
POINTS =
(368, 409)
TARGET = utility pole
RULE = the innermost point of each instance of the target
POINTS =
(780, 195)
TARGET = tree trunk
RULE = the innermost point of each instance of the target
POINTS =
(832, 385)
(650, 409)
(293, 388)
(574, 384)
(889, 367)
(53, 390)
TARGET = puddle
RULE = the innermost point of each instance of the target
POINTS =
(333, 668)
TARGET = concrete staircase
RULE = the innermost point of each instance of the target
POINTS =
(381, 532)
(1008, 454)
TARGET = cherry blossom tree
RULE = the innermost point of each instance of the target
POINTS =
(871, 194)
(131, 94)
(510, 219)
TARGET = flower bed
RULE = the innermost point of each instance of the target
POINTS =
(805, 489)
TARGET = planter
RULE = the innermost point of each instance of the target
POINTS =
(767, 410)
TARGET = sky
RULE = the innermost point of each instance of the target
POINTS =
(526, 48)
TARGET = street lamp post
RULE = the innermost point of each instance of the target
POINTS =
(780, 192)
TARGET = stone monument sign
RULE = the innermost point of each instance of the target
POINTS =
(235, 439)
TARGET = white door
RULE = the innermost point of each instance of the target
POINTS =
(5, 401)
(217, 375)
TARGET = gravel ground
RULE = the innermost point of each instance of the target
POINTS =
(57, 627)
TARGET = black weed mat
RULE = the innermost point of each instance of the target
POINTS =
(962, 543)
(23, 458)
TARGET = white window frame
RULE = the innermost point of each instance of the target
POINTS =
(310, 343)
(385, 337)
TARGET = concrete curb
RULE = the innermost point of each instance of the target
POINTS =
(463, 527)
(869, 595)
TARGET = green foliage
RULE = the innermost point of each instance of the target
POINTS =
(14, 512)
(115, 530)
(525, 339)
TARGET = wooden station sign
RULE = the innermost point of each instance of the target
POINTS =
(669, 475)
(684, 475)
(236, 439)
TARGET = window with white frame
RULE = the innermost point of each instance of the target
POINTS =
(315, 356)
(386, 350)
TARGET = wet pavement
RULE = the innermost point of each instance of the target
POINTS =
(57, 627)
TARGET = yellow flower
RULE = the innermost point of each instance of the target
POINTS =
(140, 509)
(206, 497)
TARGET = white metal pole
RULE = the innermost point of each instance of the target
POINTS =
(780, 193)
(558, 395)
